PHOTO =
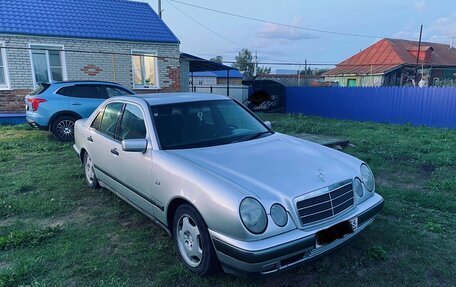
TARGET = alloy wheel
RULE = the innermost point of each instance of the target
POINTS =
(189, 241)
(65, 129)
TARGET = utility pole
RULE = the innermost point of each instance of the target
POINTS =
(160, 9)
(255, 65)
(305, 67)
(418, 54)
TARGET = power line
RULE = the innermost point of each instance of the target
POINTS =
(204, 26)
(200, 60)
(211, 30)
(283, 24)
(273, 22)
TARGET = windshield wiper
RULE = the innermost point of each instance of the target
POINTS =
(255, 136)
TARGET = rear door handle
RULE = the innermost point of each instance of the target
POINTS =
(76, 104)
(90, 139)
(114, 151)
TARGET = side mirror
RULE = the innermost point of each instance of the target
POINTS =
(134, 145)
(268, 124)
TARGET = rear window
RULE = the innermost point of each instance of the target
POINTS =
(41, 88)
(65, 91)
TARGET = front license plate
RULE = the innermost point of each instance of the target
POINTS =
(326, 236)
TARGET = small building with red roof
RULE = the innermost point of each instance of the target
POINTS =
(393, 62)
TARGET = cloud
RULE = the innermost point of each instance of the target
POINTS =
(420, 5)
(445, 26)
(278, 32)
(440, 30)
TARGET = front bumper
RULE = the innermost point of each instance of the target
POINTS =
(287, 250)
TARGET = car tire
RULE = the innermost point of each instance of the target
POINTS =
(193, 242)
(62, 128)
(89, 173)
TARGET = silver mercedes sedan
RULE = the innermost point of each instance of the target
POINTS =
(229, 190)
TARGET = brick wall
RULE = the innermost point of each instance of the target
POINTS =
(87, 66)
(13, 100)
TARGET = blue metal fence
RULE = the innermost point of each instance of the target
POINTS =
(432, 106)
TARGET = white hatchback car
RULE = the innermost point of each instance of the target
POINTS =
(223, 184)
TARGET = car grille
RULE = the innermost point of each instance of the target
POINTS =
(326, 205)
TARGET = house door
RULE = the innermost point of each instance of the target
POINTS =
(351, 82)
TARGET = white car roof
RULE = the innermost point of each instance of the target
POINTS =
(168, 98)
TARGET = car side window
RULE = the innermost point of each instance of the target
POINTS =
(97, 121)
(109, 120)
(116, 91)
(65, 91)
(89, 91)
(132, 124)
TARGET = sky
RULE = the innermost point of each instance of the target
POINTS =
(207, 34)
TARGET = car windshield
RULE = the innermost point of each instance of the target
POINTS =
(205, 123)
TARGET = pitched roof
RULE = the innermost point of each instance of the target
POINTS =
(96, 19)
(389, 54)
(198, 64)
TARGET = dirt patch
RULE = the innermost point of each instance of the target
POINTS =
(406, 179)
(427, 169)
(79, 214)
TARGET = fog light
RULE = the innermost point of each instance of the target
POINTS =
(358, 186)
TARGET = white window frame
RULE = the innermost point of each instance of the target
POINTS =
(7, 85)
(62, 60)
(135, 52)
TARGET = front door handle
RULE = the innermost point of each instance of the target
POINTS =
(90, 139)
(114, 151)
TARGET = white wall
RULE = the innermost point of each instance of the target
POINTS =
(238, 92)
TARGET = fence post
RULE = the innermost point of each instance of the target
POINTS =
(228, 83)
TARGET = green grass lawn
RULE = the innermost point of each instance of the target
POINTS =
(54, 231)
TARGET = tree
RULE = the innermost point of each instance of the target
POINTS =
(244, 63)
(217, 59)
(263, 70)
(321, 71)
(307, 71)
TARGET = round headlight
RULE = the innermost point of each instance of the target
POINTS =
(279, 215)
(367, 177)
(253, 215)
(358, 187)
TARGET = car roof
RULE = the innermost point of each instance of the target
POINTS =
(169, 98)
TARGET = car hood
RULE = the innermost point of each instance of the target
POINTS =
(274, 167)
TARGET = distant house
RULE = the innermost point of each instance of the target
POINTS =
(216, 78)
(392, 62)
(57, 40)
(203, 79)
